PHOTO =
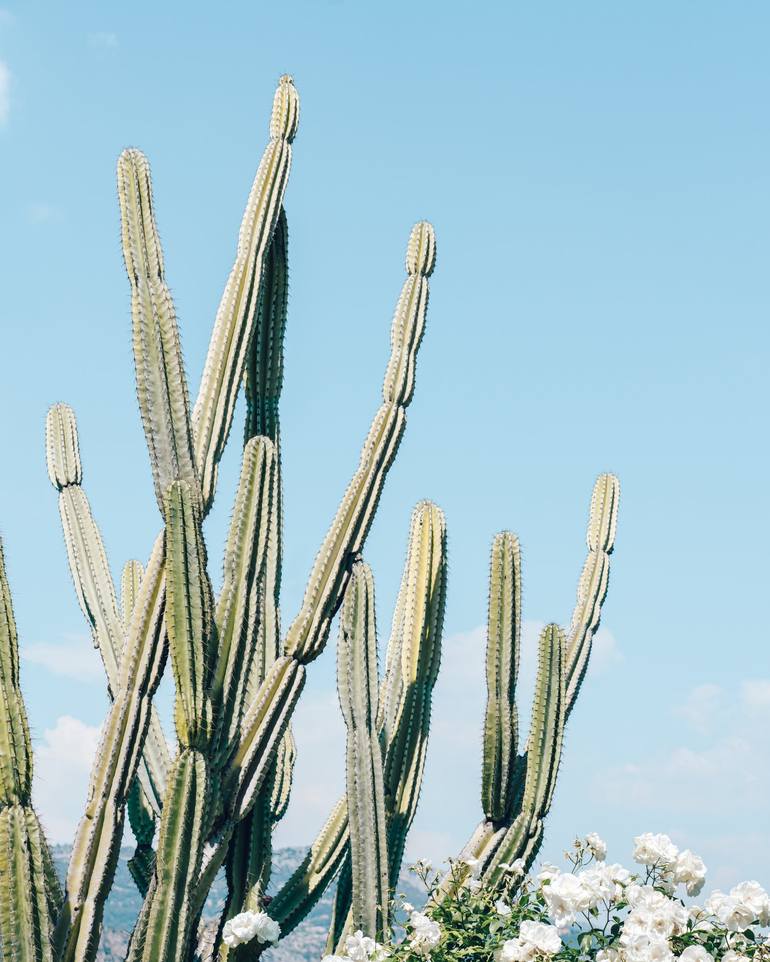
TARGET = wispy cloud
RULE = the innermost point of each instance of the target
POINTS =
(5, 93)
(715, 780)
(73, 657)
(62, 766)
(102, 40)
(42, 213)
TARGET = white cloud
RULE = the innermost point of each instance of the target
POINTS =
(75, 657)
(702, 707)
(41, 213)
(715, 781)
(5, 92)
(102, 39)
(62, 767)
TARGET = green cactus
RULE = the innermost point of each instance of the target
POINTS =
(237, 679)
(517, 790)
(30, 897)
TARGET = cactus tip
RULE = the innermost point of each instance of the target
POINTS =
(421, 250)
(285, 116)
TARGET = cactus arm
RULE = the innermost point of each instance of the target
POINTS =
(423, 618)
(544, 746)
(160, 378)
(226, 359)
(313, 875)
(242, 641)
(93, 582)
(517, 831)
(357, 687)
(192, 645)
(29, 890)
(267, 717)
(130, 580)
(594, 579)
(503, 641)
(308, 633)
(95, 849)
(263, 377)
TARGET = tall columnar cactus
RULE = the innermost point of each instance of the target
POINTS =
(517, 789)
(30, 896)
(214, 801)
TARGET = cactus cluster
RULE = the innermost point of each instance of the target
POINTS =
(212, 800)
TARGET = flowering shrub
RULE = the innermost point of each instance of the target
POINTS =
(592, 912)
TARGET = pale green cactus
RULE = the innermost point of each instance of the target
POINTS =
(30, 897)
(214, 802)
(517, 790)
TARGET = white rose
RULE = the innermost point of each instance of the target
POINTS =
(732, 912)
(732, 956)
(651, 849)
(547, 872)
(514, 950)
(248, 925)
(690, 870)
(425, 933)
(755, 898)
(696, 953)
(474, 866)
(565, 896)
(359, 946)
(607, 955)
(544, 938)
(502, 908)
(643, 947)
(267, 929)
(596, 846)
(239, 929)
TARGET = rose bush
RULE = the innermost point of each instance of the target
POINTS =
(592, 911)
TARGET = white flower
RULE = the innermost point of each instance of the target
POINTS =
(731, 911)
(545, 939)
(603, 882)
(474, 866)
(644, 947)
(248, 925)
(650, 849)
(696, 953)
(596, 846)
(502, 908)
(755, 898)
(547, 872)
(335, 958)
(408, 907)
(516, 867)
(514, 950)
(607, 955)
(732, 956)
(690, 870)
(359, 947)
(474, 884)
(565, 896)
(425, 933)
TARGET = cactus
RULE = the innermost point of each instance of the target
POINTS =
(517, 790)
(30, 896)
(215, 800)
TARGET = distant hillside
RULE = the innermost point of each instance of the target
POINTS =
(305, 943)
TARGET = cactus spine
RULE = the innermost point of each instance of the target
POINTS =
(237, 681)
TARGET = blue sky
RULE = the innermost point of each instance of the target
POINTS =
(597, 174)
